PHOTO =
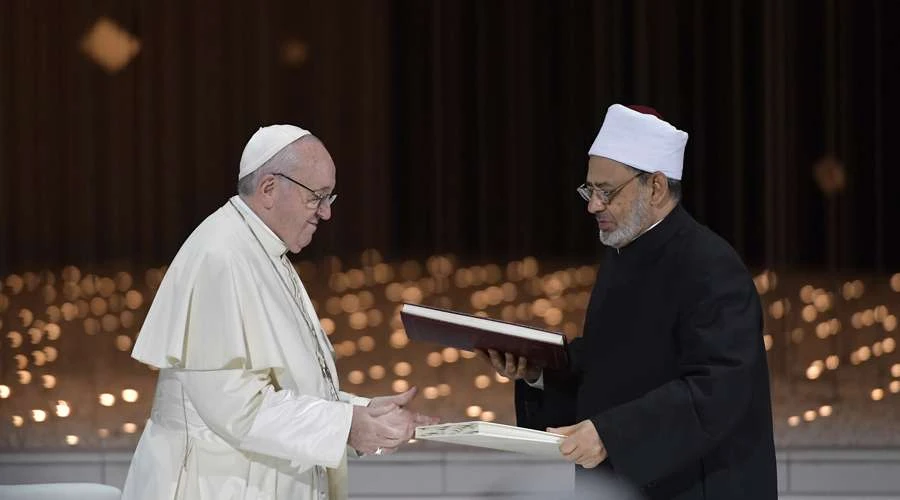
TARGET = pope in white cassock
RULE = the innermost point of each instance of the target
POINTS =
(247, 404)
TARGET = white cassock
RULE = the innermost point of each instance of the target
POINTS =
(243, 409)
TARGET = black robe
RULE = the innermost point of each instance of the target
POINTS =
(671, 368)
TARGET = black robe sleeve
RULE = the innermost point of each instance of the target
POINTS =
(719, 338)
(554, 405)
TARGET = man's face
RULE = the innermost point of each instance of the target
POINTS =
(627, 213)
(297, 211)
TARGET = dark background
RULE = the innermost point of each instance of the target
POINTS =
(456, 126)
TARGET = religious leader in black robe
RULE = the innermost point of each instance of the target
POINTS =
(668, 386)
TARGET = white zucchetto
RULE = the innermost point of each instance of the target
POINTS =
(266, 143)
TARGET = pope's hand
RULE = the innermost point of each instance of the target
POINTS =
(402, 400)
(582, 444)
(509, 366)
(384, 428)
(385, 424)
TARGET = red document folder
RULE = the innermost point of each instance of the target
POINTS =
(464, 331)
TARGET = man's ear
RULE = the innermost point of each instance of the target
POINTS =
(660, 189)
(266, 190)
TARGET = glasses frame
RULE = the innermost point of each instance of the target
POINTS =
(318, 199)
(605, 196)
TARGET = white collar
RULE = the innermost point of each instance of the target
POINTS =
(270, 241)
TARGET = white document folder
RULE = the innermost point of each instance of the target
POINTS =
(494, 436)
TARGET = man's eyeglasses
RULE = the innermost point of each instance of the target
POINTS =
(605, 196)
(317, 199)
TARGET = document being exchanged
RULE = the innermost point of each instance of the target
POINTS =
(494, 436)
(465, 331)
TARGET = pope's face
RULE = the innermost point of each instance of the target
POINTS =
(298, 210)
(622, 217)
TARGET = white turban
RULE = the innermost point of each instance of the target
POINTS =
(266, 143)
(641, 140)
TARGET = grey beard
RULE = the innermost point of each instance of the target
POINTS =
(632, 226)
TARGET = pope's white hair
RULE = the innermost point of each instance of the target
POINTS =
(280, 163)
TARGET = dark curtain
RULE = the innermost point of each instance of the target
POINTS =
(98, 167)
(456, 126)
